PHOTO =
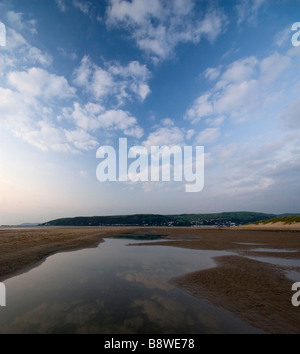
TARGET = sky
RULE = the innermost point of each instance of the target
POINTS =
(77, 75)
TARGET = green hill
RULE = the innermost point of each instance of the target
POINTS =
(217, 219)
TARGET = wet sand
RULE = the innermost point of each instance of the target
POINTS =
(24, 248)
(257, 292)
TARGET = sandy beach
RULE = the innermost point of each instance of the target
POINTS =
(257, 292)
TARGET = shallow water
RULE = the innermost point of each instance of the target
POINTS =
(248, 243)
(273, 250)
(113, 289)
(293, 275)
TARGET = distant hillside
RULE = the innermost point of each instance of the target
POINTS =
(286, 220)
(216, 219)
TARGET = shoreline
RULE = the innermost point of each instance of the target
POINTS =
(257, 292)
(25, 248)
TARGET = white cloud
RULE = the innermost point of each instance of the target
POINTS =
(136, 11)
(257, 159)
(45, 137)
(159, 26)
(102, 83)
(167, 122)
(66, 54)
(249, 185)
(18, 52)
(88, 8)
(212, 74)
(30, 99)
(202, 107)
(247, 89)
(208, 136)
(29, 112)
(29, 109)
(32, 121)
(15, 40)
(83, 73)
(290, 116)
(120, 120)
(247, 10)
(81, 139)
(36, 56)
(134, 131)
(15, 111)
(283, 37)
(238, 99)
(215, 122)
(83, 6)
(273, 66)
(142, 90)
(239, 71)
(84, 117)
(247, 170)
(61, 5)
(15, 20)
(226, 152)
(190, 133)
(36, 104)
(116, 81)
(212, 25)
(135, 76)
(93, 117)
(39, 82)
(165, 136)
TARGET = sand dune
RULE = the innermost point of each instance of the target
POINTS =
(271, 226)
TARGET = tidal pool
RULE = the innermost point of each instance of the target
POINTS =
(114, 289)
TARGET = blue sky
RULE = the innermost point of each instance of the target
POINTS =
(76, 75)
